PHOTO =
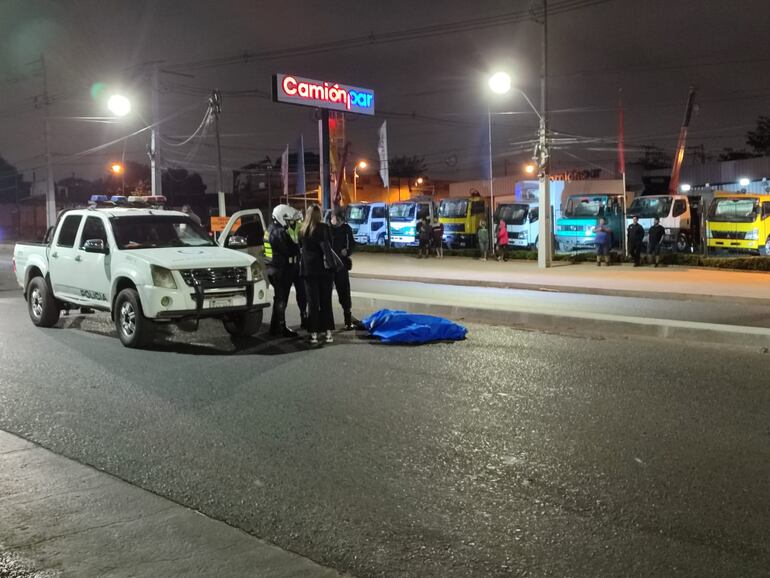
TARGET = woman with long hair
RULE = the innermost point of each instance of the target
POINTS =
(315, 243)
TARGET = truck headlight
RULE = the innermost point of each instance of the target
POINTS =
(256, 272)
(752, 235)
(162, 277)
(708, 233)
(668, 232)
(590, 231)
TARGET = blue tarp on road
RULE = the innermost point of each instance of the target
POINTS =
(404, 327)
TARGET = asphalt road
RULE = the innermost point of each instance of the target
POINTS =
(704, 311)
(509, 453)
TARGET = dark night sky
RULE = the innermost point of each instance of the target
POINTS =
(653, 49)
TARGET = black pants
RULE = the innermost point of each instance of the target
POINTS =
(342, 283)
(281, 282)
(320, 316)
(636, 253)
(301, 294)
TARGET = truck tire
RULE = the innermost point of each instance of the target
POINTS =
(381, 240)
(43, 309)
(765, 251)
(243, 324)
(682, 243)
(134, 329)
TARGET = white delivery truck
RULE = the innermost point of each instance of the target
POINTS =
(404, 217)
(680, 215)
(369, 222)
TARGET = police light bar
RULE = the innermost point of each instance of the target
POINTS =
(99, 199)
(119, 199)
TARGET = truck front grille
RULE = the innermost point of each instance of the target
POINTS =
(214, 276)
(740, 235)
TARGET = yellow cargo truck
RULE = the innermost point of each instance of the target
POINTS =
(739, 222)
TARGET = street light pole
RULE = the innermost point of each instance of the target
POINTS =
(215, 102)
(155, 177)
(545, 228)
(491, 176)
(50, 189)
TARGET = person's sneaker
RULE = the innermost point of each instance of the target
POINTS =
(314, 338)
(288, 332)
(329, 337)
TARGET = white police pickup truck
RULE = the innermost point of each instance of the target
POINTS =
(145, 267)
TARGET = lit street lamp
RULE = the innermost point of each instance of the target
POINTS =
(359, 165)
(529, 168)
(119, 105)
(118, 169)
(500, 83)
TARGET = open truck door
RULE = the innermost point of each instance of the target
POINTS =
(245, 231)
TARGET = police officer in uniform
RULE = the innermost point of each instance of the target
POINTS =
(282, 256)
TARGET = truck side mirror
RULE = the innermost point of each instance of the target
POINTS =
(95, 246)
(236, 242)
(766, 209)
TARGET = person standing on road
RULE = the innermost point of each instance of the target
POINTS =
(343, 244)
(438, 239)
(635, 239)
(315, 246)
(483, 238)
(656, 234)
(603, 241)
(423, 235)
(502, 240)
(282, 257)
(299, 282)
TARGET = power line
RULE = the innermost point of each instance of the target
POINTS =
(387, 37)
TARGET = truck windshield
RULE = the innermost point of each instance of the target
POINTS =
(453, 209)
(158, 231)
(585, 206)
(650, 207)
(734, 210)
(402, 212)
(513, 214)
(358, 214)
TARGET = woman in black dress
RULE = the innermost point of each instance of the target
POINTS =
(315, 242)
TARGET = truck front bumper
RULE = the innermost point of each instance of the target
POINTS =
(199, 302)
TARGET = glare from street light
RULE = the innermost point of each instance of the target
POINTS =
(685, 188)
(529, 168)
(500, 82)
(119, 105)
(362, 164)
(117, 168)
(744, 182)
(420, 180)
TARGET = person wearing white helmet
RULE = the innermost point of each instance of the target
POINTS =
(282, 256)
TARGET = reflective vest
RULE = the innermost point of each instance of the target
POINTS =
(268, 246)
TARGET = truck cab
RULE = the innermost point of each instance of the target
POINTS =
(369, 222)
(461, 218)
(521, 220)
(580, 216)
(677, 215)
(739, 222)
(404, 217)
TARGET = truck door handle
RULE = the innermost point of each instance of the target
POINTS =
(54, 255)
(78, 258)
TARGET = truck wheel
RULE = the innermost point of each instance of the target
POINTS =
(682, 243)
(381, 240)
(43, 309)
(243, 324)
(766, 250)
(134, 329)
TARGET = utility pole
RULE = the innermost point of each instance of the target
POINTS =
(50, 190)
(215, 102)
(155, 178)
(545, 229)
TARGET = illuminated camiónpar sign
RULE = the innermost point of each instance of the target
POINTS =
(322, 94)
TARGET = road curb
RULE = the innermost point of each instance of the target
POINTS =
(567, 289)
(62, 516)
(595, 324)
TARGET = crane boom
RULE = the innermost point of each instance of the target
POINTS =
(673, 187)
